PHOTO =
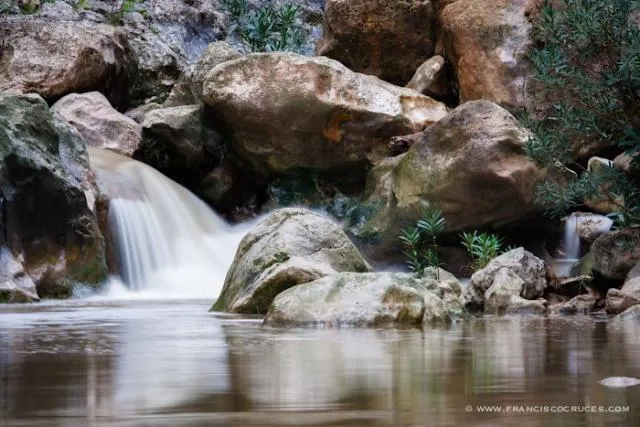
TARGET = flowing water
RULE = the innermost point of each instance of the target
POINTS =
(167, 240)
(126, 360)
(570, 250)
(101, 362)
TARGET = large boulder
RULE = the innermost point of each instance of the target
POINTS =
(486, 42)
(616, 253)
(517, 272)
(15, 284)
(47, 198)
(57, 58)
(99, 123)
(359, 299)
(470, 165)
(388, 39)
(188, 90)
(285, 111)
(290, 247)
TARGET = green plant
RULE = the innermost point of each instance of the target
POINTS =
(586, 59)
(29, 8)
(421, 242)
(6, 6)
(80, 5)
(235, 8)
(481, 247)
(267, 28)
(120, 8)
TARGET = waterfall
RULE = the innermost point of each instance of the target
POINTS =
(571, 241)
(570, 248)
(166, 239)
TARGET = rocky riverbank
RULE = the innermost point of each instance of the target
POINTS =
(381, 111)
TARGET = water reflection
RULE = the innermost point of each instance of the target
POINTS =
(172, 363)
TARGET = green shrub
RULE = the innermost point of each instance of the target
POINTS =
(482, 248)
(586, 59)
(80, 5)
(6, 6)
(235, 8)
(266, 29)
(421, 242)
(120, 8)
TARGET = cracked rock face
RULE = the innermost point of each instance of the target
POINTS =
(47, 196)
(290, 247)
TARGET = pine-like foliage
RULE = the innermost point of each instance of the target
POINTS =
(587, 60)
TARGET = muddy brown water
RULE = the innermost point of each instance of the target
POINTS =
(170, 363)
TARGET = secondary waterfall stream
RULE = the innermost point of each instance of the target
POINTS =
(167, 240)
(570, 247)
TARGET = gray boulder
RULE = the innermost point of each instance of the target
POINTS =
(290, 247)
(99, 123)
(53, 59)
(515, 270)
(360, 299)
(504, 296)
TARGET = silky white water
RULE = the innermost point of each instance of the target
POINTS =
(168, 241)
(570, 248)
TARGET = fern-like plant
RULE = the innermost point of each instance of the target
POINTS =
(267, 28)
(421, 242)
(482, 248)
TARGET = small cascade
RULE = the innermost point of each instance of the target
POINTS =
(570, 254)
(167, 240)
(570, 250)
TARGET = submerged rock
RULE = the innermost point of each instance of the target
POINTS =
(514, 273)
(486, 42)
(360, 299)
(619, 382)
(99, 123)
(470, 165)
(53, 59)
(290, 247)
(580, 304)
(285, 111)
(48, 197)
(388, 39)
